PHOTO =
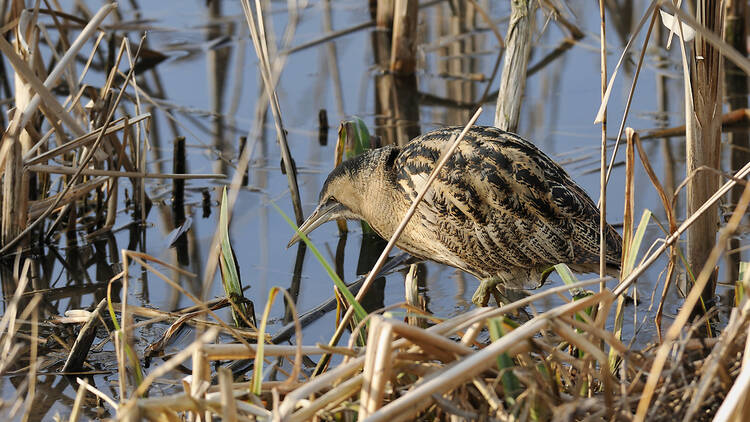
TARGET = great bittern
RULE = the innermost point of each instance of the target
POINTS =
(500, 209)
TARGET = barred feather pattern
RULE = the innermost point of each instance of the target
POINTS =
(499, 208)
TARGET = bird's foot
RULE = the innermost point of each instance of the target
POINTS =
(487, 287)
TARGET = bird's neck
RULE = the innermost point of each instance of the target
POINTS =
(383, 209)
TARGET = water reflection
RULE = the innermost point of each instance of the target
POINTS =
(196, 95)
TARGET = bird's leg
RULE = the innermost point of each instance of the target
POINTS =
(487, 287)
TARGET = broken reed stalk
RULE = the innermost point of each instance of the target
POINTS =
(703, 149)
(179, 166)
(513, 77)
(82, 344)
(404, 46)
(627, 234)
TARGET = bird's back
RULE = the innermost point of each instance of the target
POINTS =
(500, 206)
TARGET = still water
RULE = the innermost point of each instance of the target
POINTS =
(208, 90)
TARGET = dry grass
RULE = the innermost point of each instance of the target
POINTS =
(560, 364)
(549, 366)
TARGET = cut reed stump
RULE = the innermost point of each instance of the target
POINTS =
(384, 14)
(703, 144)
(513, 78)
(404, 48)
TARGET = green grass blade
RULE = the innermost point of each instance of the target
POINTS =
(359, 311)
(743, 283)
(230, 273)
(258, 366)
(131, 354)
(635, 244)
(511, 385)
(566, 274)
(569, 278)
(359, 142)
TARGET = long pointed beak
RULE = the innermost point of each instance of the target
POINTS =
(324, 213)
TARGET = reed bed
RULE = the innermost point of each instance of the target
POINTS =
(548, 366)
(507, 363)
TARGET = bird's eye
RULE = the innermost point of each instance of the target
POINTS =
(331, 199)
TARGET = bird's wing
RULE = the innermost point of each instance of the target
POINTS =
(498, 192)
(562, 207)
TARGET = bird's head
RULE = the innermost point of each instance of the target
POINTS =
(347, 189)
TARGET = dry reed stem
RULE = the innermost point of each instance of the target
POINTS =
(200, 378)
(98, 393)
(258, 34)
(333, 397)
(629, 100)
(488, 20)
(448, 348)
(70, 54)
(628, 231)
(405, 406)
(374, 373)
(240, 351)
(718, 358)
(328, 37)
(228, 406)
(349, 367)
(411, 289)
(704, 146)
(725, 49)
(669, 211)
(33, 361)
(603, 226)
(610, 85)
(54, 202)
(82, 141)
(8, 322)
(43, 168)
(404, 44)
(72, 363)
(269, 83)
(384, 14)
(75, 410)
(184, 402)
(158, 372)
(735, 404)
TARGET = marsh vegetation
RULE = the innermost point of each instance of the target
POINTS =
(156, 158)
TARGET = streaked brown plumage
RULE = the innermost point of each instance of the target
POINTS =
(500, 209)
